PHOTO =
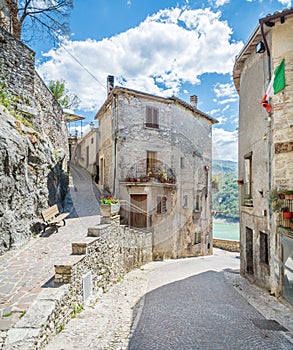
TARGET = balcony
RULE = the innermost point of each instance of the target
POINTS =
(286, 215)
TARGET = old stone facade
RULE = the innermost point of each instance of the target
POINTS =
(155, 154)
(86, 150)
(265, 155)
(33, 145)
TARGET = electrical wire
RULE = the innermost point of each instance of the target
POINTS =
(76, 60)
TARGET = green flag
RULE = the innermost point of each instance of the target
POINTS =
(279, 77)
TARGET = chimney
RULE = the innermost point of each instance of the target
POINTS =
(110, 84)
(193, 101)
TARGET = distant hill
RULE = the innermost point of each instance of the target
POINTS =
(225, 198)
(226, 166)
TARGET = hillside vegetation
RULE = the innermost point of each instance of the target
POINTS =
(225, 200)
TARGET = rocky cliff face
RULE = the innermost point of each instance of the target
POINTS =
(33, 145)
(31, 178)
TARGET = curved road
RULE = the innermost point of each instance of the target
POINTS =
(178, 304)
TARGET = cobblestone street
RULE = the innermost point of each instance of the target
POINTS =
(195, 303)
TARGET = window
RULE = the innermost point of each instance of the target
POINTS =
(185, 201)
(197, 237)
(151, 162)
(182, 165)
(264, 248)
(92, 140)
(197, 202)
(247, 196)
(152, 117)
(161, 205)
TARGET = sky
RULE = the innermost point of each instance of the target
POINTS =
(162, 47)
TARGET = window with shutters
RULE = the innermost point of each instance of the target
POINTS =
(152, 117)
(161, 205)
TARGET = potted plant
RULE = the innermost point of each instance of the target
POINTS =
(287, 215)
(288, 194)
(163, 175)
(109, 206)
(276, 202)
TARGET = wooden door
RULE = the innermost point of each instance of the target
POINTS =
(138, 210)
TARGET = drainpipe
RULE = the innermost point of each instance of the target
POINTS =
(269, 135)
(115, 147)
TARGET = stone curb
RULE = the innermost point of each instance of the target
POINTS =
(29, 332)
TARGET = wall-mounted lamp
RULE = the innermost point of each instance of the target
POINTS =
(92, 124)
(269, 24)
(260, 47)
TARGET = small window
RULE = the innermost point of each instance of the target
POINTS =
(152, 117)
(264, 248)
(92, 140)
(182, 162)
(185, 201)
(151, 162)
(161, 205)
(197, 238)
(197, 203)
(247, 195)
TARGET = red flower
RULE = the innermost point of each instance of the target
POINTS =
(102, 197)
(109, 197)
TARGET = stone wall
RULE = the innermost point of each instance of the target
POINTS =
(108, 253)
(230, 245)
(33, 145)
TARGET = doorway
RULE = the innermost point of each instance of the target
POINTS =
(138, 210)
(249, 251)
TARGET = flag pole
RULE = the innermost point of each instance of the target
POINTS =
(269, 136)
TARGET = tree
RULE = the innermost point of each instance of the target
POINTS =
(37, 17)
(66, 100)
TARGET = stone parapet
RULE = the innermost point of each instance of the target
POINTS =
(230, 245)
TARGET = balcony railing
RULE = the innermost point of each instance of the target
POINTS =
(286, 216)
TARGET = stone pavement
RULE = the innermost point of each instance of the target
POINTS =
(25, 272)
(195, 303)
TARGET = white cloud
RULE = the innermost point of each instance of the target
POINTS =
(227, 100)
(225, 144)
(222, 120)
(214, 112)
(285, 2)
(223, 90)
(218, 3)
(172, 46)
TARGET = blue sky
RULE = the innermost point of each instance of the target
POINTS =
(161, 47)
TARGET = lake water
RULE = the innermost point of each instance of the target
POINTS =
(226, 231)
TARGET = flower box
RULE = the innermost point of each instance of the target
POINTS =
(288, 215)
(109, 209)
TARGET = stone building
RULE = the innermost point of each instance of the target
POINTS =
(86, 150)
(155, 153)
(266, 155)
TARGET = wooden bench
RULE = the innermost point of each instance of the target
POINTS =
(52, 217)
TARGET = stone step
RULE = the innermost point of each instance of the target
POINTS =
(97, 231)
(80, 248)
(64, 268)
